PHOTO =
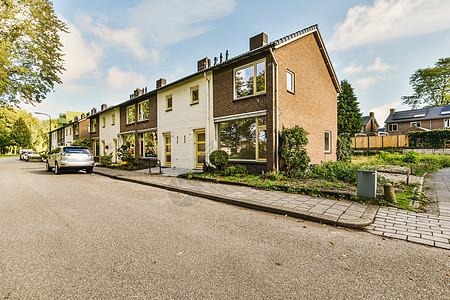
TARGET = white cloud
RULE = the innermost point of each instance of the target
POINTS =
(364, 83)
(382, 112)
(118, 79)
(379, 66)
(170, 21)
(80, 57)
(129, 39)
(46, 106)
(353, 68)
(390, 19)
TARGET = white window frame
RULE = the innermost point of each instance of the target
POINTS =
(292, 81)
(417, 124)
(446, 123)
(390, 127)
(329, 142)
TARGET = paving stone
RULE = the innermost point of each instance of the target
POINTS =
(434, 238)
(420, 241)
(442, 245)
(375, 232)
(408, 233)
(394, 235)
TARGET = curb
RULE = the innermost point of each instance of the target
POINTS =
(365, 220)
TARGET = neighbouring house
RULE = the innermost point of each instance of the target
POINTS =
(370, 125)
(424, 119)
(68, 134)
(109, 130)
(94, 133)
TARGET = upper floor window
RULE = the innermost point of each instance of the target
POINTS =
(393, 127)
(131, 114)
(250, 79)
(94, 125)
(113, 119)
(415, 124)
(76, 128)
(104, 121)
(290, 81)
(194, 95)
(143, 110)
(169, 102)
(447, 123)
(327, 142)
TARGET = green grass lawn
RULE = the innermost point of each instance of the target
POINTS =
(8, 155)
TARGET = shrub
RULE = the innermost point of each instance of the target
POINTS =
(219, 159)
(344, 150)
(106, 159)
(429, 139)
(124, 154)
(274, 175)
(292, 150)
(335, 171)
(411, 157)
(82, 143)
(237, 170)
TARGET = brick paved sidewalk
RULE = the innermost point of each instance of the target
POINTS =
(423, 228)
(338, 212)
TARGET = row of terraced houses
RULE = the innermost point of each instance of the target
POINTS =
(237, 105)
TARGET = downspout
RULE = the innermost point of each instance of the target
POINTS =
(208, 119)
(277, 124)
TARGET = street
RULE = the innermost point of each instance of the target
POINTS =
(84, 236)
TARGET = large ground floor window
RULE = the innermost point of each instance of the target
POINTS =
(128, 140)
(148, 144)
(244, 138)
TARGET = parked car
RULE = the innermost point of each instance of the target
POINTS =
(70, 158)
(24, 153)
(33, 156)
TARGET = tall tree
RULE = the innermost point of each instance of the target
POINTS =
(431, 85)
(30, 50)
(21, 134)
(349, 115)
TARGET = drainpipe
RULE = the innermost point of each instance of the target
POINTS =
(277, 124)
(208, 119)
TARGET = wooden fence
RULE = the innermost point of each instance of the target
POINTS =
(379, 142)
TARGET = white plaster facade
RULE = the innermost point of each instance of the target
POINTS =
(68, 135)
(54, 139)
(184, 119)
(109, 130)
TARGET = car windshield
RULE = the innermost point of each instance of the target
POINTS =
(33, 152)
(77, 150)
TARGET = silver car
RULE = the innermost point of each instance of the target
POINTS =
(70, 158)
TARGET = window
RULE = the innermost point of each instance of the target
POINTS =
(244, 138)
(96, 147)
(415, 124)
(245, 81)
(113, 119)
(447, 123)
(128, 141)
(76, 128)
(194, 95)
(327, 142)
(149, 144)
(290, 81)
(143, 110)
(393, 127)
(169, 102)
(93, 125)
(131, 114)
(104, 121)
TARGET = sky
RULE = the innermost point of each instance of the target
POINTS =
(116, 46)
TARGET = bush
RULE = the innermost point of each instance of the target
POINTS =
(237, 170)
(292, 150)
(124, 154)
(411, 157)
(344, 149)
(106, 159)
(82, 143)
(335, 171)
(274, 175)
(433, 139)
(219, 159)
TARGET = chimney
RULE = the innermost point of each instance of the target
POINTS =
(203, 64)
(104, 106)
(160, 83)
(93, 111)
(75, 119)
(83, 115)
(372, 114)
(138, 92)
(392, 111)
(258, 41)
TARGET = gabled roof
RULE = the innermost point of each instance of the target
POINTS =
(430, 113)
(366, 120)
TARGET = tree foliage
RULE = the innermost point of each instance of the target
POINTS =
(82, 143)
(219, 159)
(292, 150)
(344, 148)
(433, 139)
(349, 115)
(431, 85)
(30, 50)
(21, 134)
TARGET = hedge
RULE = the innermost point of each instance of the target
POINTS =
(429, 139)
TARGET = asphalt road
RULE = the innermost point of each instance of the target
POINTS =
(80, 236)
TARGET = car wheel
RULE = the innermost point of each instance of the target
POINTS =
(89, 170)
(47, 167)
(57, 170)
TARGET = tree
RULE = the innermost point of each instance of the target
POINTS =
(30, 50)
(349, 115)
(21, 134)
(431, 85)
(293, 152)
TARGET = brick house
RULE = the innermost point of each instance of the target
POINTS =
(402, 122)
(284, 83)
(370, 124)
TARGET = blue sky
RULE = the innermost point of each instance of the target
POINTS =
(116, 46)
